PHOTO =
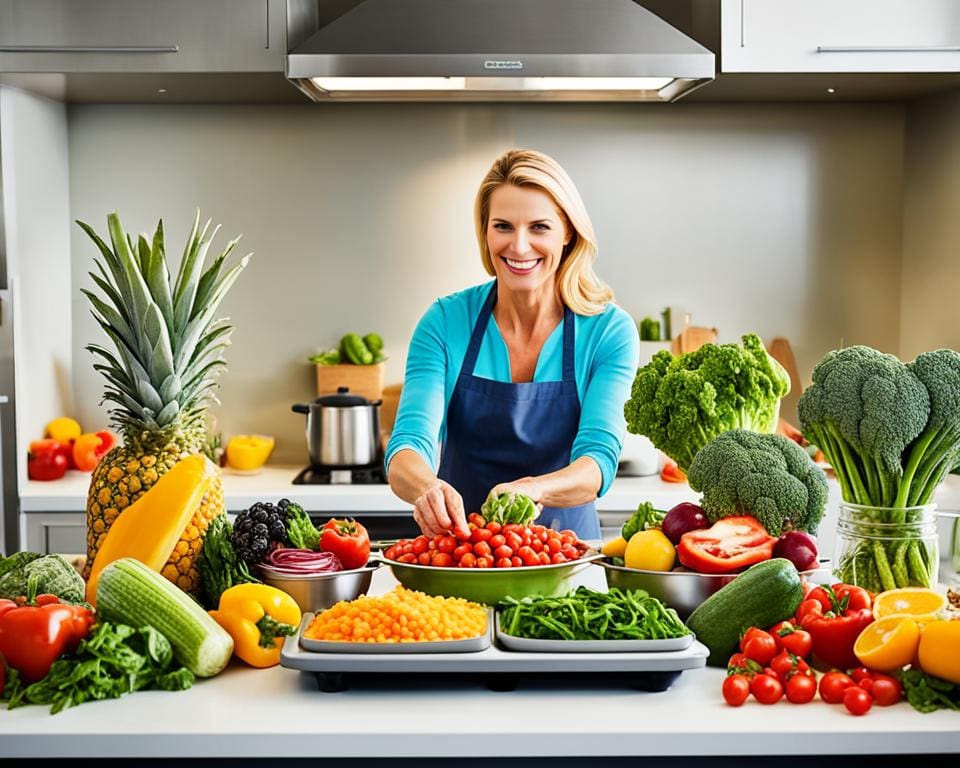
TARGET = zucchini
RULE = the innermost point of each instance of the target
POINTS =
(761, 596)
(131, 593)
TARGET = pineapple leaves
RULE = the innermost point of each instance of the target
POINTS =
(168, 346)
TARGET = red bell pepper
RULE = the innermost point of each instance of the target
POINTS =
(835, 616)
(47, 460)
(32, 637)
(730, 544)
(348, 540)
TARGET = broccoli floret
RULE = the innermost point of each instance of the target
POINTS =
(863, 409)
(683, 402)
(937, 449)
(645, 517)
(766, 476)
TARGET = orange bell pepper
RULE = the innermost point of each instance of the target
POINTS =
(257, 617)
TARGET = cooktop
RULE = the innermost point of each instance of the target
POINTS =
(371, 475)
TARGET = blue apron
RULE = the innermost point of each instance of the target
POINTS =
(499, 431)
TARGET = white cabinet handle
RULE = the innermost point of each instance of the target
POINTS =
(887, 48)
(89, 48)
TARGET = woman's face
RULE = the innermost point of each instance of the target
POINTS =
(525, 234)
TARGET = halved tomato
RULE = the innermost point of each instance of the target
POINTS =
(729, 545)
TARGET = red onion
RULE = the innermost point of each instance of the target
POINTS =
(302, 561)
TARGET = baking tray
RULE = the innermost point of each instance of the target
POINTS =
(535, 645)
(498, 668)
(467, 645)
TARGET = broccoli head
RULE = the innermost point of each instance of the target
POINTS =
(863, 409)
(683, 402)
(766, 476)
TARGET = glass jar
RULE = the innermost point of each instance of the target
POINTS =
(881, 548)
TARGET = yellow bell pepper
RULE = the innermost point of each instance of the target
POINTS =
(257, 617)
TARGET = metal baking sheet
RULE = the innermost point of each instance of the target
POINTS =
(467, 645)
(532, 645)
(491, 660)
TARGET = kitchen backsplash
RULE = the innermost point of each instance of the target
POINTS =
(780, 219)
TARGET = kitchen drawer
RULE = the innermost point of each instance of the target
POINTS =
(142, 35)
(849, 36)
(60, 532)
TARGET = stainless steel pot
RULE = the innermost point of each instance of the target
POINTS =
(343, 430)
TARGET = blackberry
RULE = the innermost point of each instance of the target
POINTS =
(258, 530)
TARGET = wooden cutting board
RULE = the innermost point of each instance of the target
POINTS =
(781, 351)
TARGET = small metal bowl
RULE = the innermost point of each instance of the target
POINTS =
(680, 590)
(318, 591)
(490, 585)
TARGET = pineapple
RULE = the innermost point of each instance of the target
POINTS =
(159, 377)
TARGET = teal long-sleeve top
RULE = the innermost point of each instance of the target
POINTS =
(607, 351)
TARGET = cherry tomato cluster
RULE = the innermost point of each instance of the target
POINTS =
(773, 664)
(490, 545)
(769, 665)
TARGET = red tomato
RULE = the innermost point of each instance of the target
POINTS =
(391, 553)
(424, 558)
(766, 688)
(798, 642)
(409, 557)
(760, 649)
(514, 540)
(528, 556)
(503, 551)
(867, 684)
(544, 558)
(886, 691)
(536, 545)
(482, 548)
(494, 527)
(461, 535)
(480, 534)
(553, 546)
(511, 528)
(462, 550)
(420, 544)
(504, 562)
(406, 548)
(446, 544)
(442, 559)
(517, 562)
(736, 688)
(783, 665)
(469, 560)
(730, 544)
(832, 686)
(570, 552)
(801, 689)
(497, 540)
(558, 557)
(476, 519)
(857, 701)
(485, 562)
(861, 673)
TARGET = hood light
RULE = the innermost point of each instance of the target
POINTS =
(333, 84)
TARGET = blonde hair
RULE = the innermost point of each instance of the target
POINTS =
(578, 285)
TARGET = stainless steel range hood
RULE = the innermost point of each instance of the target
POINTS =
(499, 50)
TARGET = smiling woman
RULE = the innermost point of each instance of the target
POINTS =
(519, 384)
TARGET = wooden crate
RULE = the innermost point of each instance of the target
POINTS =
(363, 380)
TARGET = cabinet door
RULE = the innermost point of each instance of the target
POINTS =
(142, 35)
(840, 36)
(63, 533)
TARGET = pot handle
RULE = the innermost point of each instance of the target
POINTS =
(300, 408)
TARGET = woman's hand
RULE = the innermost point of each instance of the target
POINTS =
(440, 509)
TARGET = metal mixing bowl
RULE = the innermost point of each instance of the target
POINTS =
(681, 590)
(319, 591)
(490, 585)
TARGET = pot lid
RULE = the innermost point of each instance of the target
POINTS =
(342, 399)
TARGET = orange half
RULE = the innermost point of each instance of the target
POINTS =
(888, 644)
(918, 602)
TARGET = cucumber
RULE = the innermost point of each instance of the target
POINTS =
(761, 596)
(131, 593)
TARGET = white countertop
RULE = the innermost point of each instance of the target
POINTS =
(278, 712)
(69, 494)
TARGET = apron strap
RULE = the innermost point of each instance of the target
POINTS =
(479, 328)
(569, 348)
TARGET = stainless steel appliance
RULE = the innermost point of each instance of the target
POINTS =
(343, 439)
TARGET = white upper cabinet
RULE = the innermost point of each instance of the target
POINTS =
(142, 35)
(840, 35)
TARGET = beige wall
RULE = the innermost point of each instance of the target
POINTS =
(779, 219)
(930, 303)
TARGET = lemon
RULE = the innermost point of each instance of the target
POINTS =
(615, 547)
(888, 644)
(918, 602)
(649, 550)
(63, 429)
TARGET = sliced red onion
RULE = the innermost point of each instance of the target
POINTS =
(302, 561)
